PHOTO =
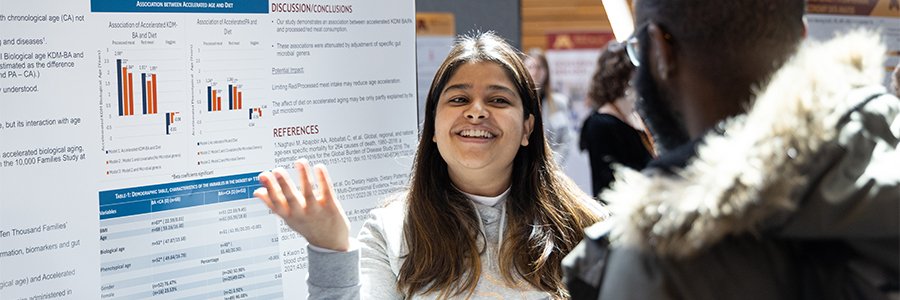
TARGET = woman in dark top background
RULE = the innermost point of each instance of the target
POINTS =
(610, 134)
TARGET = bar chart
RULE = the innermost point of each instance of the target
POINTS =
(125, 84)
(229, 87)
(172, 119)
(255, 113)
(228, 105)
(144, 103)
(214, 97)
(139, 87)
(229, 97)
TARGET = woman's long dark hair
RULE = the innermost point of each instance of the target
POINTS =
(546, 212)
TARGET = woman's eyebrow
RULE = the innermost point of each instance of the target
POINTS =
(460, 86)
(501, 88)
(493, 87)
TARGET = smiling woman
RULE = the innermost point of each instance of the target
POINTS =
(487, 212)
(479, 127)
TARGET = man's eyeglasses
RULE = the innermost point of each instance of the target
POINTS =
(633, 46)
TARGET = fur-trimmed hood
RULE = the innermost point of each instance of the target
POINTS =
(750, 174)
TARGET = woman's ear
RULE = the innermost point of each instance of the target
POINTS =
(529, 126)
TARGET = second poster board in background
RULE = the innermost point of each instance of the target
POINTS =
(826, 18)
(435, 33)
(572, 58)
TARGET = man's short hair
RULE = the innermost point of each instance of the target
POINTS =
(726, 33)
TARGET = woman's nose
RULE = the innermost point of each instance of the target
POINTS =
(476, 111)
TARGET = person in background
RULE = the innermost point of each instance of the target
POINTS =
(554, 107)
(609, 134)
(487, 212)
(778, 170)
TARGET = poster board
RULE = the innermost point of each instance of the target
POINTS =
(825, 18)
(131, 134)
(572, 57)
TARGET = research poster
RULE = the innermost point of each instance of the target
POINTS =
(132, 132)
(573, 59)
(826, 18)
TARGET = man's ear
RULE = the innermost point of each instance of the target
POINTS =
(529, 127)
(662, 51)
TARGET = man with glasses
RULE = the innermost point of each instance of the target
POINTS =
(778, 177)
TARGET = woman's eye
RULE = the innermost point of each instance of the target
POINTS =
(457, 100)
(500, 101)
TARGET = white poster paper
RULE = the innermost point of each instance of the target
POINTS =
(131, 134)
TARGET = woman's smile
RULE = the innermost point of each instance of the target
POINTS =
(480, 122)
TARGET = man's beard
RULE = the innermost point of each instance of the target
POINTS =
(666, 126)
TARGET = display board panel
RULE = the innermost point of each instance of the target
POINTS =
(131, 134)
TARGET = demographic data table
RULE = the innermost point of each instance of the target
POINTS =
(199, 239)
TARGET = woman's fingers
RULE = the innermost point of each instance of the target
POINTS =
(273, 191)
(305, 183)
(303, 210)
(325, 185)
(288, 188)
(263, 195)
(281, 195)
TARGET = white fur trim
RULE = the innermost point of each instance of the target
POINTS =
(749, 173)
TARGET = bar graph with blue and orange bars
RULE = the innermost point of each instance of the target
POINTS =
(214, 98)
(255, 113)
(125, 79)
(171, 118)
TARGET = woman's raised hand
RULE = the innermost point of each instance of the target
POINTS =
(316, 215)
